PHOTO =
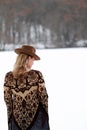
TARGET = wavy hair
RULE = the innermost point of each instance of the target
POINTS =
(20, 65)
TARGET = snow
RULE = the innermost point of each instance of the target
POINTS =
(64, 71)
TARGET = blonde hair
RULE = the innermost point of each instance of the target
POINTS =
(20, 65)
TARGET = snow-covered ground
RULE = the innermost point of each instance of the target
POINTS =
(65, 73)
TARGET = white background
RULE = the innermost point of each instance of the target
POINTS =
(65, 74)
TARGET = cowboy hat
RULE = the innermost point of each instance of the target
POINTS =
(28, 50)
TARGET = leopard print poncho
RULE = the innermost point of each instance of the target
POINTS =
(22, 96)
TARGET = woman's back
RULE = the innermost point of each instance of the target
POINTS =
(25, 100)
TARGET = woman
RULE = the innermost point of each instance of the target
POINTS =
(25, 93)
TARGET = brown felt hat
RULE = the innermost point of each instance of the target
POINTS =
(28, 50)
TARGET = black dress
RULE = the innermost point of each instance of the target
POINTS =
(40, 121)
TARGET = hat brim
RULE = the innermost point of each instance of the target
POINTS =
(19, 51)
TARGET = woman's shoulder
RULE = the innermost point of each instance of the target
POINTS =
(8, 77)
(37, 72)
(9, 73)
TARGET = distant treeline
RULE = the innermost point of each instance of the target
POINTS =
(45, 24)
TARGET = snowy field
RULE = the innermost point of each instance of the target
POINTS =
(65, 74)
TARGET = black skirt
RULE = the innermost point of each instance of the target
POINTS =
(40, 122)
